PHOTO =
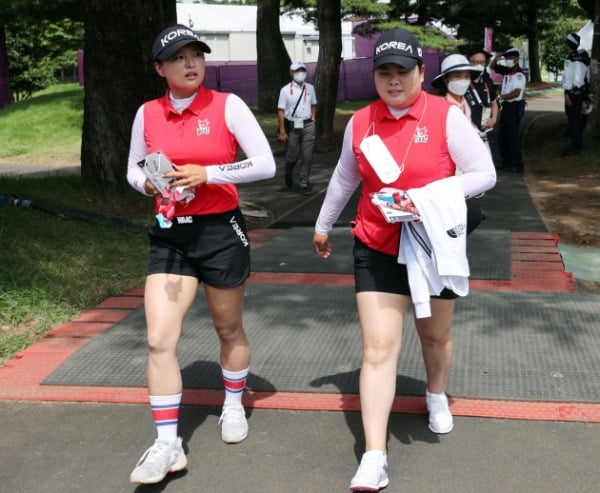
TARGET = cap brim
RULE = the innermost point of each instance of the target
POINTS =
(173, 48)
(403, 61)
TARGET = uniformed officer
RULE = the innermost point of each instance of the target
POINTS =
(574, 85)
(513, 108)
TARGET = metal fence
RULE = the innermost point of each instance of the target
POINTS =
(355, 81)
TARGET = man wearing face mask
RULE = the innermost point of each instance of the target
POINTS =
(513, 109)
(296, 112)
(481, 95)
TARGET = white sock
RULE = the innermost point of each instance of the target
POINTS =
(235, 382)
(165, 411)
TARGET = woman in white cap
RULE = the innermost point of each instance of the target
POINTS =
(454, 81)
(199, 237)
(427, 139)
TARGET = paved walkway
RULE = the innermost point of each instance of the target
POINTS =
(72, 438)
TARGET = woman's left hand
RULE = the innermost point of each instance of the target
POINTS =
(188, 176)
(406, 205)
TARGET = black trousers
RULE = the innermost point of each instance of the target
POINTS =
(575, 121)
(509, 141)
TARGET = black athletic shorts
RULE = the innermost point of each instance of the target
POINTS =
(376, 271)
(213, 248)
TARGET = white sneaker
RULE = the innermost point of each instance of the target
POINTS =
(372, 473)
(159, 460)
(234, 427)
(440, 417)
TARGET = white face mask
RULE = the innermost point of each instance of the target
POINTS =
(459, 86)
(479, 67)
(509, 63)
(299, 77)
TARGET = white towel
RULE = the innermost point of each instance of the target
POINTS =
(434, 250)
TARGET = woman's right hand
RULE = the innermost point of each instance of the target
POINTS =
(150, 189)
(321, 245)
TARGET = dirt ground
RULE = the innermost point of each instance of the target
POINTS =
(566, 191)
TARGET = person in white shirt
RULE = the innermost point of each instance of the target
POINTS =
(296, 113)
(513, 109)
(574, 85)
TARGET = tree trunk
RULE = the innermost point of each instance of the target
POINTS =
(273, 61)
(119, 77)
(533, 37)
(4, 80)
(329, 23)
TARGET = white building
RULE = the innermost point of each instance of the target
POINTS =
(230, 31)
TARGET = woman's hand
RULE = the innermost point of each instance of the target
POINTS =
(406, 206)
(321, 245)
(188, 176)
(150, 189)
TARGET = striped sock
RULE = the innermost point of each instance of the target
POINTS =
(235, 382)
(165, 411)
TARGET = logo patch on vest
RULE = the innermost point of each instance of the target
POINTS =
(203, 127)
(184, 219)
(421, 135)
(456, 231)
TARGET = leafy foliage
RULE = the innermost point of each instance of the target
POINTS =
(553, 51)
(37, 51)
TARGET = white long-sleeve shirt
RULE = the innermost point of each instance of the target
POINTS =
(242, 124)
(464, 146)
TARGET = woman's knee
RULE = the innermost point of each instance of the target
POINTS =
(230, 331)
(161, 343)
(436, 338)
(378, 353)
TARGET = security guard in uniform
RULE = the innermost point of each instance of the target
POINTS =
(513, 109)
(574, 85)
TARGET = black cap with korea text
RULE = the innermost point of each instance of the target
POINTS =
(172, 39)
(397, 46)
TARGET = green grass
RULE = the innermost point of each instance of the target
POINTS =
(51, 117)
(61, 257)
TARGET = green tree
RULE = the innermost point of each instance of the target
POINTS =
(553, 51)
(23, 20)
(36, 52)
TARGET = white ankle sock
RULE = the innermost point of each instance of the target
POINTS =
(235, 382)
(165, 411)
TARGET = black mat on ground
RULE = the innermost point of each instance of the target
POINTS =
(527, 346)
(291, 251)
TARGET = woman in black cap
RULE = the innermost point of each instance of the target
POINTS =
(200, 235)
(405, 149)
